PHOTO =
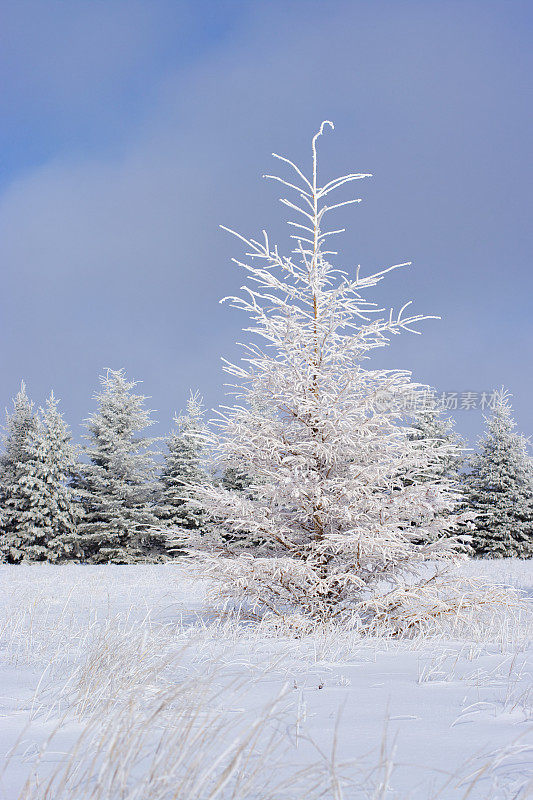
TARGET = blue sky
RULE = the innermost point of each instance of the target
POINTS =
(131, 129)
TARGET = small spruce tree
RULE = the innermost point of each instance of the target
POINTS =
(183, 469)
(236, 480)
(499, 487)
(41, 511)
(117, 486)
(430, 426)
(443, 446)
(237, 476)
(19, 424)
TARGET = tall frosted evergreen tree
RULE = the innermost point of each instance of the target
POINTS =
(117, 486)
(329, 529)
(41, 511)
(184, 468)
(499, 487)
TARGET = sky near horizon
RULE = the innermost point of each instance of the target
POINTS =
(130, 129)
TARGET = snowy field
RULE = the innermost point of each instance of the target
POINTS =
(120, 682)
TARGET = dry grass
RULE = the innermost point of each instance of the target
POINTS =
(145, 734)
(138, 708)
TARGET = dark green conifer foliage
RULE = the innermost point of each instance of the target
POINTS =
(40, 509)
(183, 469)
(18, 426)
(500, 488)
(117, 487)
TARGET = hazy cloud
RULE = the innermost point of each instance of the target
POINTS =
(115, 258)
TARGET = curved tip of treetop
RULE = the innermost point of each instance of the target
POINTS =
(321, 129)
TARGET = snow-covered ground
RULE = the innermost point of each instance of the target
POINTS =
(119, 682)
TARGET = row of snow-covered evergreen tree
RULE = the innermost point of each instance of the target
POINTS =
(113, 500)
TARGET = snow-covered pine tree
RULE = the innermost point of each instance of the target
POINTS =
(429, 425)
(499, 487)
(337, 527)
(65, 511)
(236, 479)
(236, 475)
(41, 511)
(434, 430)
(19, 424)
(117, 487)
(183, 468)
